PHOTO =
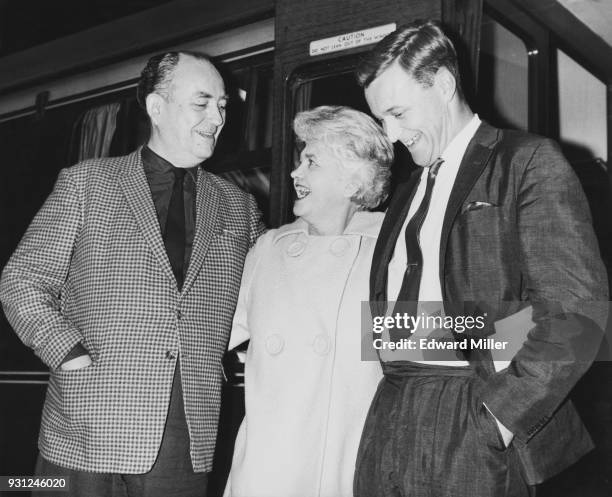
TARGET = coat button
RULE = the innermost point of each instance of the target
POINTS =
(295, 249)
(179, 314)
(321, 344)
(275, 344)
(339, 247)
(170, 355)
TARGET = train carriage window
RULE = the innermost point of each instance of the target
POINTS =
(502, 76)
(244, 152)
(582, 111)
(333, 89)
(583, 134)
(34, 149)
(326, 85)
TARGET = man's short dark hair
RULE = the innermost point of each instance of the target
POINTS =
(420, 48)
(157, 74)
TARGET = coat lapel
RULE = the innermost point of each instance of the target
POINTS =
(475, 160)
(389, 232)
(207, 220)
(138, 196)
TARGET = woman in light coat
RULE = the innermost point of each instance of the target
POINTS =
(307, 391)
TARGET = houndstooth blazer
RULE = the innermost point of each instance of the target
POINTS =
(92, 267)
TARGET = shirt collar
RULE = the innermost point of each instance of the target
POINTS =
(156, 164)
(363, 223)
(456, 148)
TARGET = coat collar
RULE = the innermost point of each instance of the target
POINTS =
(208, 223)
(135, 188)
(363, 223)
(136, 191)
(475, 160)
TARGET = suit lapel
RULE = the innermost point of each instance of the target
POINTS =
(138, 196)
(475, 160)
(208, 199)
(389, 232)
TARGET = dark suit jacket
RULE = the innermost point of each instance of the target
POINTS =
(517, 232)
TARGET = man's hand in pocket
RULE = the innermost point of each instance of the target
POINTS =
(77, 363)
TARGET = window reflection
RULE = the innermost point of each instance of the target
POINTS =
(338, 86)
(503, 77)
(582, 109)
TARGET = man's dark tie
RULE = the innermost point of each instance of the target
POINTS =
(409, 291)
(174, 239)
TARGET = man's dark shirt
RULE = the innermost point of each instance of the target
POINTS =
(161, 180)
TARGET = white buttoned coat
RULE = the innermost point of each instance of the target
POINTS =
(307, 391)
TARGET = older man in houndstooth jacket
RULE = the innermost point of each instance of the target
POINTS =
(125, 285)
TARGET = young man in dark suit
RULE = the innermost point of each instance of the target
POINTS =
(125, 285)
(493, 223)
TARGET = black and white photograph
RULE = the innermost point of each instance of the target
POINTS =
(288, 248)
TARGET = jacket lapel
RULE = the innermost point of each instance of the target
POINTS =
(208, 199)
(389, 232)
(474, 162)
(138, 196)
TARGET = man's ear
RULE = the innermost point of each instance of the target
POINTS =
(154, 104)
(446, 84)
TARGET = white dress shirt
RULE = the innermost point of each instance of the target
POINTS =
(431, 230)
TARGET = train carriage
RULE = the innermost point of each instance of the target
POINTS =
(537, 65)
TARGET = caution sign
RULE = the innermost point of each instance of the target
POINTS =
(351, 40)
